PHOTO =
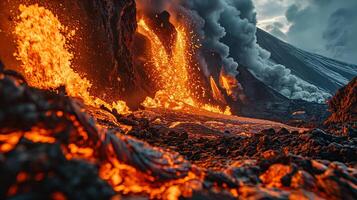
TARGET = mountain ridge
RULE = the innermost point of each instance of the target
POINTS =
(326, 73)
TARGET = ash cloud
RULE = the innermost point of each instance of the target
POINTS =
(228, 27)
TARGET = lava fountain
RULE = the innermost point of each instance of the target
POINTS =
(43, 49)
(174, 72)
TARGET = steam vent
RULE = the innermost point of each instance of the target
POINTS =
(171, 100)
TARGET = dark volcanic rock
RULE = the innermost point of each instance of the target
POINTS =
(314, 144)
(266, 165)
(263, 102)
(343, 105)
(41, 171)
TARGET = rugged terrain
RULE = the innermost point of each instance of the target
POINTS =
(55, 146)
(231, 157)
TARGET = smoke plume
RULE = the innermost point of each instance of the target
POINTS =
(228, 27)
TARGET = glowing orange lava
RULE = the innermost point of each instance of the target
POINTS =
(43, 49)
(230, 84)
(217, 95)
(174, 73)
(9, 141)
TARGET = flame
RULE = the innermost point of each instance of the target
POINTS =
(173, 72)
(46, 61)
(217, 95)
(229, 83)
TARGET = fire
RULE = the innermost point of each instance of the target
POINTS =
(47, 63)
(230, 84)
(173, 72)
(217, 95)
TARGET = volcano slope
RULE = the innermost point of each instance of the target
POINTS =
(321, 71)
(52, 149)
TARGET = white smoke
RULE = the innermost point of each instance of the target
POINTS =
(228, 27)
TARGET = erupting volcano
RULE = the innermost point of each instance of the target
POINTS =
(124, 99)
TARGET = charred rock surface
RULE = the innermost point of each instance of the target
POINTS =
(220, 150)
(267, 165)
(41, 171)
(53, 123)
(270, 164)
(262, 101)
(343, 107)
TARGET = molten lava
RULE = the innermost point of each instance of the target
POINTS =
(217, 95)
(173, 72)
(43, 49)
(230, 84)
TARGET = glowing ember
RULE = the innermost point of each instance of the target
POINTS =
(173, 72)
(43, 49)
(38, 135)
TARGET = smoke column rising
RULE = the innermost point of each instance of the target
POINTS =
(228, 27)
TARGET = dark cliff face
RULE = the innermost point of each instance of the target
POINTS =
(104, 31)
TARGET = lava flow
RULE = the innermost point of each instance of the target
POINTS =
(43, 49)
(173, 72)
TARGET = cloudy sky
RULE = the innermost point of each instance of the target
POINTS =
(327, 27)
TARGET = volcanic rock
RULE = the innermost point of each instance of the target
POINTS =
(343, 106)
(41, 171)
(270, 164)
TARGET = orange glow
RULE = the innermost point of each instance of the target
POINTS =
(230, 84)
(217, 95)
(127, 180)
(173, 71)
(47, 63)
(38, 135)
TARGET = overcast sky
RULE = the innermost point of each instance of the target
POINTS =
(327, 27)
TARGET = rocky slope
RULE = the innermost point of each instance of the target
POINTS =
(344, 104)
(343, 107)
(261, 101)
(320, 71)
